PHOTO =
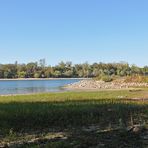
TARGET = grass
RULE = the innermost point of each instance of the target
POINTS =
(77, 96)
(71, 110)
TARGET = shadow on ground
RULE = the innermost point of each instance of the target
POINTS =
(65, 124)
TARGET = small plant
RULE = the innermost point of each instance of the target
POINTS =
(11, 134)
(105, 78)
(121, 124)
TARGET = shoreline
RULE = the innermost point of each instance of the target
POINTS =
(101, 85)
(66, 90)
(84, 84)
(31, 79)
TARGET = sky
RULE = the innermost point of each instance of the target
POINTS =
(74, 30)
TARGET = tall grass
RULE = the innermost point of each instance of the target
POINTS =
(70, 109)
(137, 78)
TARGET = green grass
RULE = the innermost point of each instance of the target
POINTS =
(69, 110)
(77, 96)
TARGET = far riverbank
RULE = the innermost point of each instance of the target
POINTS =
(44, 79)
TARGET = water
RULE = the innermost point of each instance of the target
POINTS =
(33, 86)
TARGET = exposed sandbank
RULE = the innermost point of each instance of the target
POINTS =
(101, 85)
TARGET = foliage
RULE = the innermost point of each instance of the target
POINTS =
(105, 78)
(68, 70)
(137, 79)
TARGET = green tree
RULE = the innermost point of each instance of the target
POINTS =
(22, 74)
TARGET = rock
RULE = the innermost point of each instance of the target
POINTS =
(91, 84)
(137, 129)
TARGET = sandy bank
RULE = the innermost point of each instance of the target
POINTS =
(101, 85)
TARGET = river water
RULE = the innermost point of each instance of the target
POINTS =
(8, 87)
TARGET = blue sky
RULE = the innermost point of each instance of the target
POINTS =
(74, 30)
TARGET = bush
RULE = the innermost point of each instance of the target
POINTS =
(104, 78)
(137, 78)
(37, 75)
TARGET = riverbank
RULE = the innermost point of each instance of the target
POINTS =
(17, 79)
(101, 85)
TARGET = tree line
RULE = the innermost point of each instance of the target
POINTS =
(69, 70)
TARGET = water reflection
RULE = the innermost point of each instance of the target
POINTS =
(33, 86)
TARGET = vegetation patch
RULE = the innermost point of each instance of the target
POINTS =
(136, 79)
(105, 78)
(72, 119)
(68, 70)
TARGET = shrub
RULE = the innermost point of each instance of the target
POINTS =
(105, 78)
(137, 78)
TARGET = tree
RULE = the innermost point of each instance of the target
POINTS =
(31, 68)
(22, 74)
(67, 69)
(42, 63)
(57, 74)
(37, 75)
